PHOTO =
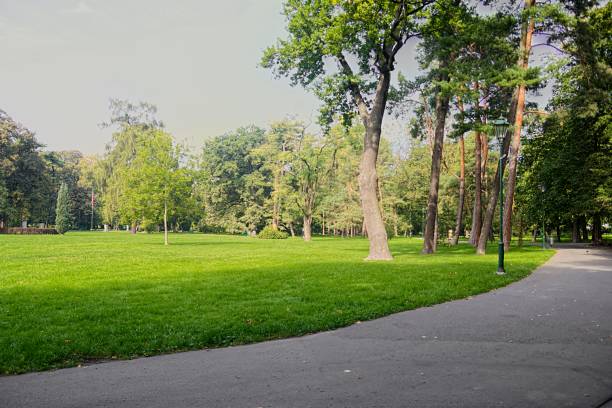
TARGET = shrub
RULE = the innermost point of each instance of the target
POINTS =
(270, 232)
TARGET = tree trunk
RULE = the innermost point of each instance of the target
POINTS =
(487, 223)
(526, 36)
(291, 229)
(307, 227)
(484, 145)
(477, 210)
(459, 218)
(575, 232)
(435, 238)
(597, 235)
(429, 245)
(323, 223)
(558, 233)
(165, 223)
(585, 231)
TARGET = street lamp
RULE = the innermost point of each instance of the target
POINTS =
(501, 127)
(543, 190)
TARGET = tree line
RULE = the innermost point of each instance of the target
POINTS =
(347, 179)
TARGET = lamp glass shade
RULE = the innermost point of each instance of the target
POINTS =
(500, 126)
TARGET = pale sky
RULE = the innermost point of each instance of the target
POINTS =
(197, 60)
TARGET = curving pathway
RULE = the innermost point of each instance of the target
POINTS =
(545, 341)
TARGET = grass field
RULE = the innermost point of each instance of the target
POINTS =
(89, 296)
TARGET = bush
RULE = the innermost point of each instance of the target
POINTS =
(270, 232)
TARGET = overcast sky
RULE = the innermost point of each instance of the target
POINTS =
(195, 59)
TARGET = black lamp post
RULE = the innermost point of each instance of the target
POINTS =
(501, 127)
(543, 190)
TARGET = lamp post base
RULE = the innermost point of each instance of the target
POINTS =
(500, 258)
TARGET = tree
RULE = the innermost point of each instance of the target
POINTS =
(369, 34)
(63, 210)
(156, 183)
(461, 199)
(24, 175)
(569, 152)
(232, 182)
(311, 164)
(527, 31)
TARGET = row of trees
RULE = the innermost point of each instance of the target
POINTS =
(30, 179)
(475, 66)
(347, 179)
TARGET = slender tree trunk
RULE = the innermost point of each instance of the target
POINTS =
(526, 36)
(165, 223)
(558, 233)
(323, 223)
(276, 200)
(477, 210)
(459, 218)
(585, 231)
(429, 245)
(484, 144)
(435, 238)
(307, 227)
(487, 223)
(291, 229)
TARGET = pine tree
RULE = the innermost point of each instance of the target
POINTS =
(63, 210)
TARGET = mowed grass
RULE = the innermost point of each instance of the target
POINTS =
(88, 296)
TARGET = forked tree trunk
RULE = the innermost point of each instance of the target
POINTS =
(477, 210)
(165, 223)
(429, 245)
(307, 227)
(459, 218)
(526, 36)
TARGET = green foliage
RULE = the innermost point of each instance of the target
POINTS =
(24, 175)
(232, 184)
(367, 32)
(129, 298)
(269, 232)
(569, 152)
(63, 210)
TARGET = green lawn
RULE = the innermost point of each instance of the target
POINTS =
(94, 295)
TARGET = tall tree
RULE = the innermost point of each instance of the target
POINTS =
(461, 198)
(369, 34)
(312, 162)
(63, 210)
(24, 175)
(523, 63)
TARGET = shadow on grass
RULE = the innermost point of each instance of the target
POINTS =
(72, 321)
